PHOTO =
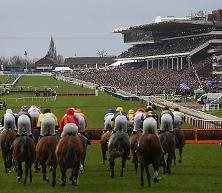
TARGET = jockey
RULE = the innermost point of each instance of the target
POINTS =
(24, 122)
(82, 123)
(150, 121)
(34, 112)
(138, 120)
(130, 116)
(166, 120)
(47, 122)
(120, 120)
(178, 118)
(8, 120)
(68, 118)
(107, 119)
(69, 129)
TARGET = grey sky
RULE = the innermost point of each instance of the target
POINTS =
(81, 26)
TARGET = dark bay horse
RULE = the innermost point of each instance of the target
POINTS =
(84, 142)
(24, 151)
(168, 143)
(149, 152)
(45, 153)
(134, 140)
(104, 144)
(69, 152)
(119, 146)
(6, 139)
(180, 143)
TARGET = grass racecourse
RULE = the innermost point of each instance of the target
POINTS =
(199, 172)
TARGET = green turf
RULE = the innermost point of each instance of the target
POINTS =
(200, 172)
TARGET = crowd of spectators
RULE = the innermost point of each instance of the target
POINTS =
(141, 81)
(165, 47)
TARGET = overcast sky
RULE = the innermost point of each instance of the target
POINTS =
(81, 27)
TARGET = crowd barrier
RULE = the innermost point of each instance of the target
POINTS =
(192, 136)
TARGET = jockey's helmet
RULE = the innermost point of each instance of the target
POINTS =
(131, 111)
(70, 111)
(119, 109)
(24, 108)
(78, 110)
(141, 110)
(149, 108)
(111, 110)
(8, 111)
(165, 108)
(176, 109)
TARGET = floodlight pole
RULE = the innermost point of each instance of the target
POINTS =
(26, 69)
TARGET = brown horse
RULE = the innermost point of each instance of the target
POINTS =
(149, 152)
(69, 152)
(134, 140)
(180, 143)
(7, 138)
(104, 144)
(168, 143)
(45, 153)
(24, 151)
(119, 146)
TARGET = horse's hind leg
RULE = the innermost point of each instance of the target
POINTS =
(104, 149)
(123, 166)
(44, 171)
(75, 174)
(54, 172)
(180, 152)
(141, 173)
(63, 177)
(30, 172)
(19, 171)
(148, 174)
(111, 166)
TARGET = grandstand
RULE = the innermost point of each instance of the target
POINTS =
(164, 54)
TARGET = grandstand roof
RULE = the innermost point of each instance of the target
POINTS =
(166, 25)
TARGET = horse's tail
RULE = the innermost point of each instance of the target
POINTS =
(24, 145)
(69, 155)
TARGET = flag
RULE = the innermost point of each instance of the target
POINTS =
(184, 86)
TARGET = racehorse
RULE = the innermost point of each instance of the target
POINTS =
(134, 140)
(7, 138)
(84, 142)
(69, 152)
(119, 146)
(168, 143)
(34, 114)
(24, 151)
(104, 144)
(180, 143)
(149, 152)
(45, 153)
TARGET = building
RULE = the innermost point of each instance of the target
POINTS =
(83, 63)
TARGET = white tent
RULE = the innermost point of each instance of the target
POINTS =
(120, 62)
(62, 69)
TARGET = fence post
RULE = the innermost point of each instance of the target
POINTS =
(195, 136)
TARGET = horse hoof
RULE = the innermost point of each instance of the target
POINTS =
(19, 179)
(156, 180)
(180, 161)
(141, 184)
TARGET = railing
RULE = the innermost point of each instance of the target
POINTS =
(192, 136)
